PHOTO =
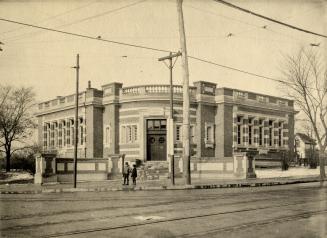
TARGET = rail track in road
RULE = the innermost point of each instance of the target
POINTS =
(279, 219)
(212, 231)
(148, 205)
(302, 195)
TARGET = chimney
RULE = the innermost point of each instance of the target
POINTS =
(89, 84)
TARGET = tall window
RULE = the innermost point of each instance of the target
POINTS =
(239, 134)
(239, 130)
(81, 135)
(68, 133)
(128, 134)
(250, 134)
(45, 135)
(64, 133)
(260, 134)
(192, 132)
(134, 133)
(56, 137)
(178, 132)
(52, 135)
(270, 136)
(60, 135)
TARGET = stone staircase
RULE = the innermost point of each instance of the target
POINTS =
(154, 170)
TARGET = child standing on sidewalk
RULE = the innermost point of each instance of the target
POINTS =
(134, 174)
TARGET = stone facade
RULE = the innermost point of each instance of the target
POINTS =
(134, 121)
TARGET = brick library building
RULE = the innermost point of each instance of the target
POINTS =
(134, 122)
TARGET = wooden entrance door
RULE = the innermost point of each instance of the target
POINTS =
(156, 140)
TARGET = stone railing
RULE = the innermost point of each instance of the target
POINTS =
(154, 89)
(61, 101)
(260, 100)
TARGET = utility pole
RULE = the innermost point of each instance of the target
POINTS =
(171, 117)
(76, 120)
(186, 97)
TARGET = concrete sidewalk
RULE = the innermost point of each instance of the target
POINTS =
(164, 184)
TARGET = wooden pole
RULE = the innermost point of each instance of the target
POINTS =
(186, 97)
(171, 66)
(76, 120)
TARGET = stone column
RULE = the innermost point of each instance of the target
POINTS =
(240, 165)
(113, 166)
(250, 170)
(39, 169)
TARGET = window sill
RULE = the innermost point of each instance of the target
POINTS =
(209, 145)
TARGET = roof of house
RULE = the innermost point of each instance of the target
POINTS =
(305, 138)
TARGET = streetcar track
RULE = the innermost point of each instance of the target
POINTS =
(42, 214)
(300, 215)
(243, 226)
(124, 215)
(180, 200)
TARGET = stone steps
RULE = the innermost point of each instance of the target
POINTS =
(155, 170)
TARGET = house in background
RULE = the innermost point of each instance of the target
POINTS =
(304, 147)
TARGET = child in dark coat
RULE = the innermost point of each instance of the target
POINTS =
(134, 174)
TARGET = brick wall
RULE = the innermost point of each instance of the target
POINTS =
(228, 130)
(224, 131)
(110, 118)
(207, 114)
(97, 132)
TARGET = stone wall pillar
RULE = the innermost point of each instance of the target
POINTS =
(39, 169)
(240, 165)
(115, 163)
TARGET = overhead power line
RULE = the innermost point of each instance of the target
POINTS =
(235, 69)
(269, 19)
(146, 48)
(52, 17)
(82, 20)
(102, 14)
(84, 36)
(260, 27)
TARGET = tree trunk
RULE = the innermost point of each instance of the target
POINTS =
(8, 155)
(322, 166)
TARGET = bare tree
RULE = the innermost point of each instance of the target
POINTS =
(306, 83)
(16, 122)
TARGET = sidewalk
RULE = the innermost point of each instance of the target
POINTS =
(265, 178)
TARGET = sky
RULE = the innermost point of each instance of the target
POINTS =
(43, 60)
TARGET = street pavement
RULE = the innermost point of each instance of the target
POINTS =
(268, 177)
(295, 210)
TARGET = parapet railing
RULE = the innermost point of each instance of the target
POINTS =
(154, 89)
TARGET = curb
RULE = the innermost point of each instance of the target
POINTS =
(153, 188)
